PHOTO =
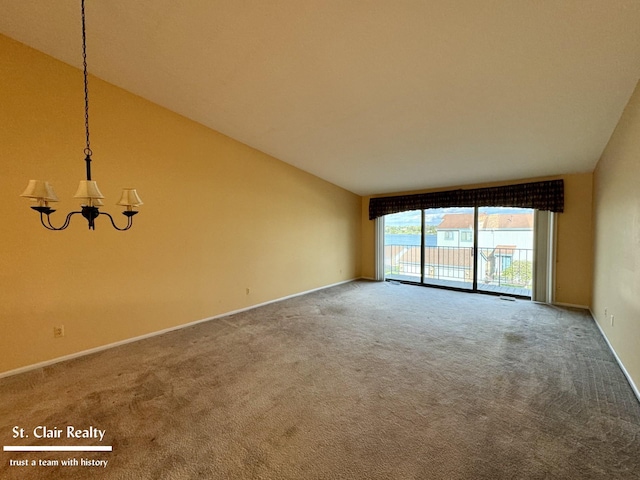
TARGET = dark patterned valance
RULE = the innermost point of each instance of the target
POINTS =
(548, 195)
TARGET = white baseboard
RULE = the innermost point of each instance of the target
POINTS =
(620, 364)
(159, 332)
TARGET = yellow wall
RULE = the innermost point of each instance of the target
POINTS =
(574, 248)
(574, 240)
(219, 217)
(617, 239)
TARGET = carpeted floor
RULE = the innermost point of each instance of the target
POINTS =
(361, 381)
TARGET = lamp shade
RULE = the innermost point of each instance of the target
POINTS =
(91, 202)
(130, 198)
(40, 190)
(88, 189)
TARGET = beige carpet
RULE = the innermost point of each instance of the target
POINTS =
(362, 381)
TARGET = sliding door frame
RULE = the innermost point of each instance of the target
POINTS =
(474, 256)
(422, 245)
(544, 231)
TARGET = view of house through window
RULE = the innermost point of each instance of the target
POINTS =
(402, 245)
(505, 250)
(448, 257)
(440, 247)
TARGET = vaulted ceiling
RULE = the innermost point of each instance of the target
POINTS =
(376, 96)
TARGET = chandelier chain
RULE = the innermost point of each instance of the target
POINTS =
(87, 150)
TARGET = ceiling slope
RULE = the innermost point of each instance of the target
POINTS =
(374, 96)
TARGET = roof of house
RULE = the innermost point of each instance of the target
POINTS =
(498, 250)
(459, 257)
(507, 221)
(433, 256)
(456, 221)
(449, 256)
(493, 221)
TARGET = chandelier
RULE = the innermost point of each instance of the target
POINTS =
(42, 192)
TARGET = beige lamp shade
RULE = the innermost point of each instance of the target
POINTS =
(88, 189)
(91, 202)
(40, 191)
(130, 198)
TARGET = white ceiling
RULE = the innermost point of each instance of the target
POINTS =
(376, 96)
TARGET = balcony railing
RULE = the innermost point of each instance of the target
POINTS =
(498, 267)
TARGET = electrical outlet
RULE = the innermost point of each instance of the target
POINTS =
(58, 331)
(612, 320)
(605, 313)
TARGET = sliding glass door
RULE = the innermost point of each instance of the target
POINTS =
(402, 243)
(481, 249)
(505, 250)
(448, 249)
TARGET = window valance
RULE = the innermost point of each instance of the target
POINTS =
(547, 195)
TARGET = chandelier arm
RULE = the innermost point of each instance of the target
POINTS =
(129, 222)
(50, 226)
